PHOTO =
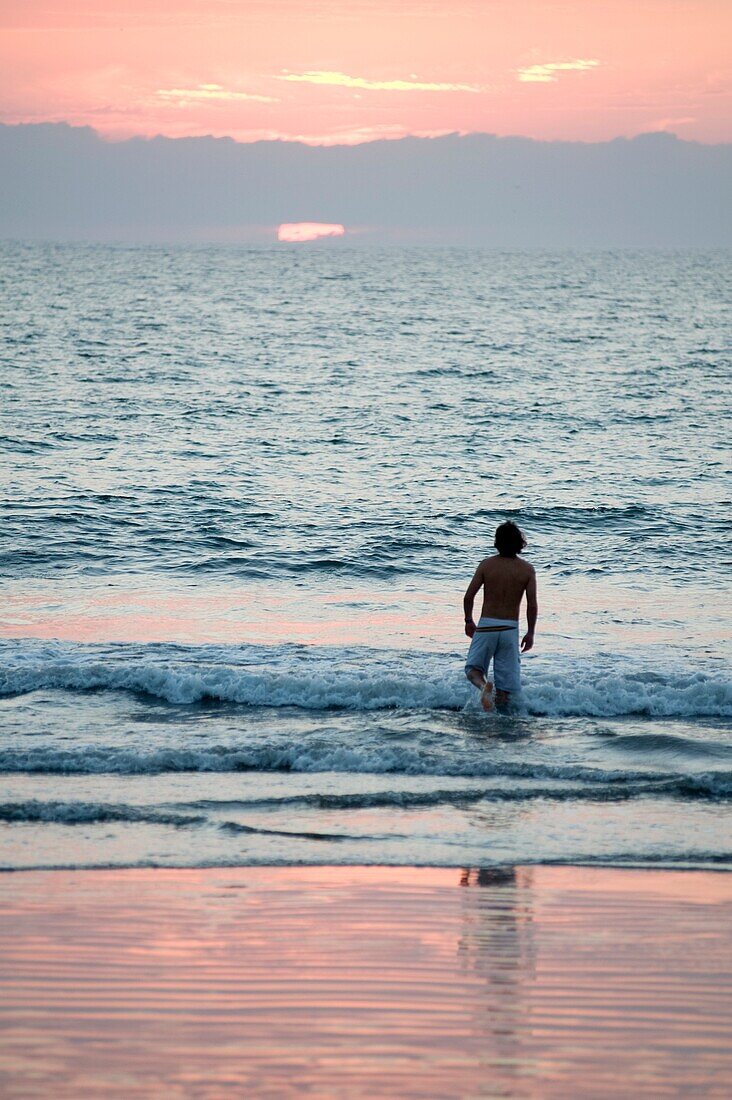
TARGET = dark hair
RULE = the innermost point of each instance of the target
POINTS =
(509, 540)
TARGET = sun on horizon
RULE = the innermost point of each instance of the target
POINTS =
(297, 232)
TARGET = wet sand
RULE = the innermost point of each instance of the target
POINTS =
(365, 982)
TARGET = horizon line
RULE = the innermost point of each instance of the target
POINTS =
(328, 143)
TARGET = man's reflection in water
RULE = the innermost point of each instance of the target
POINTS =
(488, 876)
(497, 947)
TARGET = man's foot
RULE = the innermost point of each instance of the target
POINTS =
(486, 696)
(485, 687)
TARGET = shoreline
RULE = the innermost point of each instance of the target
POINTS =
(529, 981)
(722, 867)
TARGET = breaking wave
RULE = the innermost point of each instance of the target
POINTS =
(318, 678)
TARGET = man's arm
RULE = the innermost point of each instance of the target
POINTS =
(532, 611)
(470, 592)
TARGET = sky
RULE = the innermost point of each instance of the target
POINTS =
(348, 71)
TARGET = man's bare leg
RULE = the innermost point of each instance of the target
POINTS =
(502, 697)
(485, 687)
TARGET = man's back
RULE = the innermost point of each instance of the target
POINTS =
(504, 580)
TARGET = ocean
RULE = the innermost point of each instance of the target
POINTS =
(245, 490)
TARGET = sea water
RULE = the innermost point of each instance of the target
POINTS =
(244, 493)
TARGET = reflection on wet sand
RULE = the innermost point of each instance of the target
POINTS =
(365, 982)
(496, 946)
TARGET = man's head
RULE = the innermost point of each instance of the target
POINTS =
(509, 540)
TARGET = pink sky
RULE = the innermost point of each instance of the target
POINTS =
(350, 70)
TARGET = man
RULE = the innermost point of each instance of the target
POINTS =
(504, 579)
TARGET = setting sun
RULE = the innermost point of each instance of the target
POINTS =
(308, 231)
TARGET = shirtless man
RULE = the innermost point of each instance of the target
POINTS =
(505, 579)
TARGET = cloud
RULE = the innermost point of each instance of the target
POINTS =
(342, 80)
(669, 123)
(308, 231)
(205, 92)
(65, 183)
(547, 73)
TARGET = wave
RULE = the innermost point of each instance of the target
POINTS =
(710, 787)
(85, 532)
(322, 678)
(585, 516)
(668, 745)
(94, 813)
(88, 813)
(376, 759)
(682, 860)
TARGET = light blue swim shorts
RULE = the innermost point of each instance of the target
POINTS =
(497, 640)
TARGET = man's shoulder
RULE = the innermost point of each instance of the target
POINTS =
(527, 571)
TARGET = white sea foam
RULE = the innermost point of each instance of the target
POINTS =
(319, 679)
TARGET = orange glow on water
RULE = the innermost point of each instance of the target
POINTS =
(246, 614)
